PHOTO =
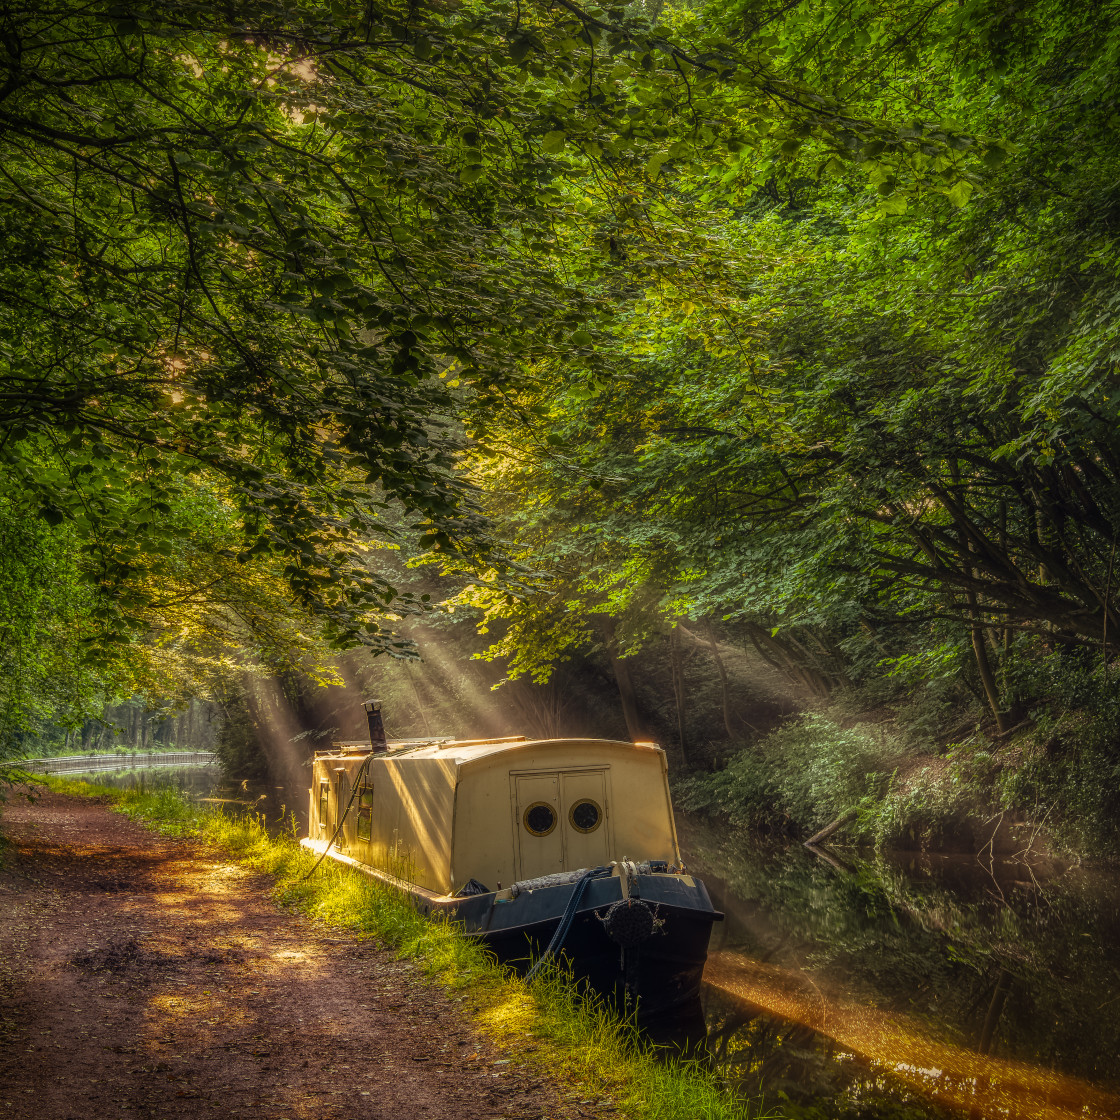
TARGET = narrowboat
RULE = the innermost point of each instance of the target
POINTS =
(539, 847)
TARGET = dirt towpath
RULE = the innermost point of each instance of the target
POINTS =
(145, 977)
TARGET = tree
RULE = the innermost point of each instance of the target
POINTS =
(875, 418)
(261, 249)
(295, 256)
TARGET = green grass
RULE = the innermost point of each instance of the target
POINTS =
(547, 1024)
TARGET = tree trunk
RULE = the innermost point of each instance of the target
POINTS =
(995, 1010)
(678, 687)
(1104, 623)
(725, 693)
(620, 666)
(784, 660)
(627, 696)
(983, 665)
(1004, 549)
(423, 708)
(830, 828)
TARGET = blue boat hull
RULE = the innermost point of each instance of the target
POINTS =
(659, 978)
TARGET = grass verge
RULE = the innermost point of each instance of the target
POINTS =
(547, 1024)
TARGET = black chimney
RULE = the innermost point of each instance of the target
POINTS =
(377, 740)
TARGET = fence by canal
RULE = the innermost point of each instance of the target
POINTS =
(87, 764)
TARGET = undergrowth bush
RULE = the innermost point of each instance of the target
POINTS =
(932, 808)
(1068, 770)
(1072, 786)
(576, 1039)
(798, 777)
(1059, 772)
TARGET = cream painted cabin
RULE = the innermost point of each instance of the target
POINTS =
(497, 811)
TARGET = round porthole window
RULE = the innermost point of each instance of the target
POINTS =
(585, 815)
(540, 818)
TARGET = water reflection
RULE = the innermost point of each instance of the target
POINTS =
(898, 988)
(803, 1071)
(209, 786)
(192, 781)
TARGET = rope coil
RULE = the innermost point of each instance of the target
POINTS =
(628, 922)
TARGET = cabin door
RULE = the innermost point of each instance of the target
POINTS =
(561, 821)
(583, 817)
(540, 839)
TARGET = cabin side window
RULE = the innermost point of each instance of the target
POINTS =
(324, 804)
(342, 804)
(365, 812)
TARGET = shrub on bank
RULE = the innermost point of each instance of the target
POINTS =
(1056, 779)
(1066, 768)
(797, 778)
(812, 771)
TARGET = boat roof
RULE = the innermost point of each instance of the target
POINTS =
(460, 751)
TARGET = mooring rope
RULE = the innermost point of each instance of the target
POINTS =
(568, 917)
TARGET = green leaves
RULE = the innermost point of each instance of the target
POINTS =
(316, 236)
(898, 359)
(994, 157)
(300, 274)
(960, 192)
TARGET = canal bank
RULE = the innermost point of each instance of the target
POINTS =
(539, 1039)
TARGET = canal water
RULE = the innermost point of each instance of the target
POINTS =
(209, 786)
(193, 781)
(895, 987)
(911, 985)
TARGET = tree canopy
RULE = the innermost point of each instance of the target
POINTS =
(799, 317)
(878, 425)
